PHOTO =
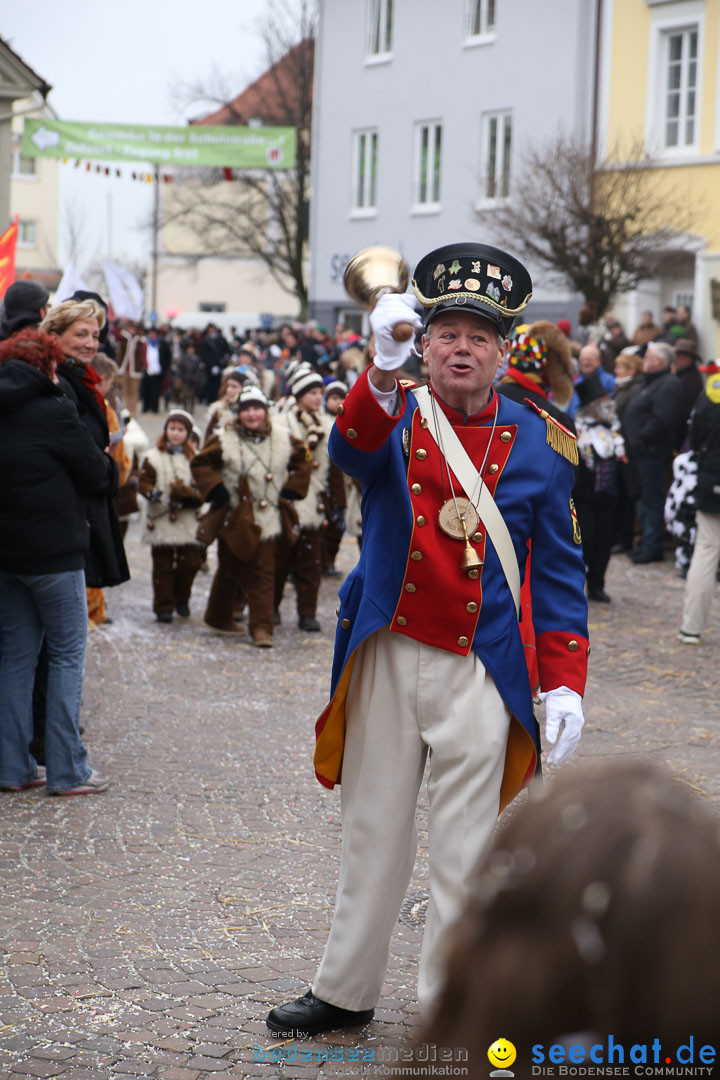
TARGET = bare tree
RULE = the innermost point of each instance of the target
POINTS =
(598, 227)
(262, 213)
(75, 239)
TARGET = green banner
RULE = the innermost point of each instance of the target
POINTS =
(224, 147)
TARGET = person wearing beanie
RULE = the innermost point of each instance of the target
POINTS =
(540, 368)
(686, 370)
(325, 499)
(166, 482)
(25, 304)
(601, 450)
(252, 472)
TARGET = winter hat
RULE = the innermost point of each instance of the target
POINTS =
(565, 326)
(181, 417)
(237, 375)
(83, 294)
(252, 395)
(336, 387)
(527, 353)
(590, 389)
(22, 304)
(250, 348)
(305, 380)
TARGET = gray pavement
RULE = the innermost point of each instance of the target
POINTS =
(147, 931)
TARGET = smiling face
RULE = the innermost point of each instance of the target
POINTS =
(462, 351)
(80, 340)
(502, 1053)
(252, 417)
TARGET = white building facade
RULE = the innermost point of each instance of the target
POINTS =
(421, 115)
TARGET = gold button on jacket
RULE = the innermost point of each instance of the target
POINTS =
(351, 433)
(573, 646)
(410, 587)
(421, 454)
(346, 624)
(463, 642)
(401, 620)
(416, 556)
(506, 435)
(416, 489)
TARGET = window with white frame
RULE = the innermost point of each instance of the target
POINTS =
(380, 27)
(480, 18)
(428, 163)
(23, 166)
(680, 90)
(365, 155)
(497, 150)
(27, 234)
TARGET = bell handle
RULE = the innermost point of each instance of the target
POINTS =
(402, 331)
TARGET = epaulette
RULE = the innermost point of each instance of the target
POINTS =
(408, 384)
(560, 438)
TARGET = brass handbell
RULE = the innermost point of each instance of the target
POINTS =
(373, 272)
(470, 559)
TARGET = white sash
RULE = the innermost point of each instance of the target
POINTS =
(460, 463)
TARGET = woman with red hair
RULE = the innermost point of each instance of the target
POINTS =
(49, 464)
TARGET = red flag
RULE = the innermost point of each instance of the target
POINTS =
(8, 243)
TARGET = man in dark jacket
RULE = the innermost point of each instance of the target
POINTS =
(691, 385)
(705, 442)
(24, 304)
(651, 422)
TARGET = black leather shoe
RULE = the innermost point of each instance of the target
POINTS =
(164, 616)
(277, 620)
(641, 557)
(309, 1015)
(308, 622)
(599, 596)
(183, 610)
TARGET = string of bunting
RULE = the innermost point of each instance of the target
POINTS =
(134, 174)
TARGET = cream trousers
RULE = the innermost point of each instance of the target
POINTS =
(405, 699)
(700, 585)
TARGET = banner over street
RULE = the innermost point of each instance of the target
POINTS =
(199, 145)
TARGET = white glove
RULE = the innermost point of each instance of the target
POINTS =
(563, 708)
(391, 309)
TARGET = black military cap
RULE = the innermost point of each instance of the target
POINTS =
(476, 278)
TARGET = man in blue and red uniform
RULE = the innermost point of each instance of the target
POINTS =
(428, 653)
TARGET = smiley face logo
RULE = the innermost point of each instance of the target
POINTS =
(502, 1053)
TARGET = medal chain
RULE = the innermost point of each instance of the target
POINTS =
(462, 518)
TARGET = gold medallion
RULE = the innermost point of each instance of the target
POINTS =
(451, 524)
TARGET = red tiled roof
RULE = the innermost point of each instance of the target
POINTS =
(277, 97)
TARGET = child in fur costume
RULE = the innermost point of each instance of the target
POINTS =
(325, 498)
(166, 482)
(250, 466)
(540, 368)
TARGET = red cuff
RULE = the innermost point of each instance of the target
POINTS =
(562, 660)
(362, 421)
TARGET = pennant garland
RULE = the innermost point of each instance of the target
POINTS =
(142, 177)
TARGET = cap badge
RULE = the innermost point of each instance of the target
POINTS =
(493, 291)
(507, 283)
(455, 268)
(476, 267)
(439, 269)
(441, 285)
(455, 284)
(472, 284)
(494, 271)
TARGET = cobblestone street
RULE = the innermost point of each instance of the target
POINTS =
(146, 932)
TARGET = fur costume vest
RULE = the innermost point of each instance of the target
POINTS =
(163, 524)
(263, 466)
(311, 509)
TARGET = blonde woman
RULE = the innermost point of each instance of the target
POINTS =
(77, 325)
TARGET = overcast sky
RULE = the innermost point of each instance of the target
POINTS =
(123, 64)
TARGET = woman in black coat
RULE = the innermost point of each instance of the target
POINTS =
(49, 466)
(77, 326)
